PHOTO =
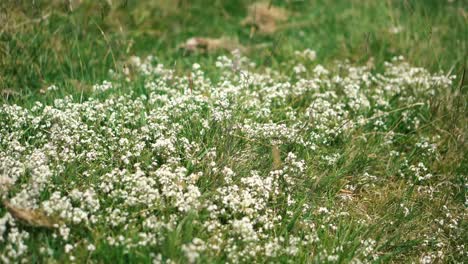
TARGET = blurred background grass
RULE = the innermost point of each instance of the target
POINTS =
(75, 43)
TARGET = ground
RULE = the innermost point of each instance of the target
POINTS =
(228, 131)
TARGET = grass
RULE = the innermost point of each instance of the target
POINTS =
(74, 47)
(85, 43)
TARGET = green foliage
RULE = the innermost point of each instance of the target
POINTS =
(77, 44)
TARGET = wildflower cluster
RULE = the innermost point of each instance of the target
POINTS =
(184, 171)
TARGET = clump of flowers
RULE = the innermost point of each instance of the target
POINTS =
(186, 167)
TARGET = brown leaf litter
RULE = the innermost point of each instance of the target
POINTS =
(7, 93)
(201, 44)
(265, 17)
(35, 218)
(275, 153)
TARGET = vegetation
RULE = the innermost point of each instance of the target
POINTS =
(228, 131)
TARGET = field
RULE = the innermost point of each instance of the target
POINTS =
(321, 131)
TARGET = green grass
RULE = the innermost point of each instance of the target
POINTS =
(75, 49)
(83, 44)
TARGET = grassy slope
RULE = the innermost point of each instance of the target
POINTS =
(76, 49)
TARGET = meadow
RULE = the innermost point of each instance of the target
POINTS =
(233, 131)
